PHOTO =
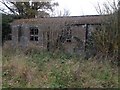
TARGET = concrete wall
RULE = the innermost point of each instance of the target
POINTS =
(49, 33)
(14, 35)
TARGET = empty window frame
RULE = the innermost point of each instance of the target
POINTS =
(69, 34)
(66, 34)
(33, 34)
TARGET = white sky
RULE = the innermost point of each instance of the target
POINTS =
(79, 7)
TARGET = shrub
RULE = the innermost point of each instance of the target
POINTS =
(106, 38)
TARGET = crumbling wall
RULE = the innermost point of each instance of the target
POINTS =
(48, 36)
(70, 37)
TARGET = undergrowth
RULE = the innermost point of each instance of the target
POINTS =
(56, 70)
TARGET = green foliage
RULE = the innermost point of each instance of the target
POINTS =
(106, 38)
(6, 30)
(48, 70)
(28, 9)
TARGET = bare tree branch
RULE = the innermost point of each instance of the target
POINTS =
(3, 2)
(4, 11)
(100, 10)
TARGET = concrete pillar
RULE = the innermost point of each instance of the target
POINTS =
(40, 35)
(24, 41)
(14, 35)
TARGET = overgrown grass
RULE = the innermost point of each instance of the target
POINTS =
(56, 70)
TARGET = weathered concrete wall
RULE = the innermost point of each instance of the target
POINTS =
(40, 34)
(49, 34)
(25, 36)
(14, 35)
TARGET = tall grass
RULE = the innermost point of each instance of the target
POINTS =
(56, 70)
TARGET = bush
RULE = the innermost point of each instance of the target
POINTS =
(106, 38)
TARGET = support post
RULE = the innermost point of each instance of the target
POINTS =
(86, 41)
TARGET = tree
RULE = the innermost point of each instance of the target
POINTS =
(59, 13)
(6, 30)
(106, 37)
(18, 10)
(27, 9)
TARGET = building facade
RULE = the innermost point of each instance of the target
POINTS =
(50, 33)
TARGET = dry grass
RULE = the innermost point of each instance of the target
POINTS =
(47, 70)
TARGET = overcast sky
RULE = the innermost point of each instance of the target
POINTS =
(79, 7)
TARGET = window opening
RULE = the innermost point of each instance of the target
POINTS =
(34, 34)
